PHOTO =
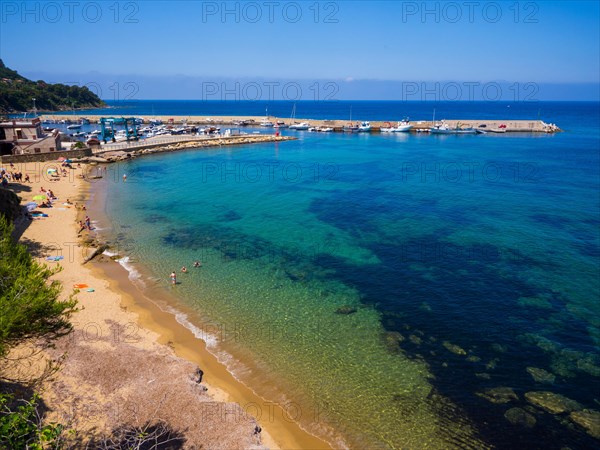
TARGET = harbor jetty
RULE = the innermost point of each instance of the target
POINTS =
(505, 126)
(160, 144)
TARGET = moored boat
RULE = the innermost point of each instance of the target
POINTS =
(364, 127)
(303, 126)
(443, 128)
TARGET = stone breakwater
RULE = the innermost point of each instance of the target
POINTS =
(140, 148)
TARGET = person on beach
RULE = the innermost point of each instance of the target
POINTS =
(197, 264)
(88, 222)
(27, 180)
(173, 278)
(184, 269)
(124, 178)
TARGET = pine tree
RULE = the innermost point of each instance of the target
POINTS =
(29, 303)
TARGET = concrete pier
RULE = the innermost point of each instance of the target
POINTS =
(508, 126)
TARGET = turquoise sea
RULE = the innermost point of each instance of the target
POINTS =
(467, 268)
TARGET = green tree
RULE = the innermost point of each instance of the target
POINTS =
(30, 309)
(29, 303)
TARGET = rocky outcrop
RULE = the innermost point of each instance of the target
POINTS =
(589, 420)
(518, 416)
(457, 350)
(552, 402)
(541, 375)
(499, 395)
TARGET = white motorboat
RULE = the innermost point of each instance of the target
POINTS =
(402, 127)
(364, 127)
(302, 126)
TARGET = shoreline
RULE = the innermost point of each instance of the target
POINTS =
(161, 313)
(113, 312)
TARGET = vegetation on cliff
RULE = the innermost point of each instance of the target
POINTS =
(17, 94)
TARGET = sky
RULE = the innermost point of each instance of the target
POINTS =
(369, 49)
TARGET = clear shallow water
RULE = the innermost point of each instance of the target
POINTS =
(468, 259)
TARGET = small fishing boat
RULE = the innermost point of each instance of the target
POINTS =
(364, 127)
(403, 126)
(280, 124)
(386, 128)
(443, 128)
(76, 126)
(351, 128)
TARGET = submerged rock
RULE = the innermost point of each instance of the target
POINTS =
(499, 395)
(588, 419)
(483, 376)
(346, 310)
(541, 375)
(415, 339)
(588, 365)
(551, 402)
(425, 307)
(518, 416)
(492, 364)
(473, 358)
(393, 340)
(457, 350)
(499, 348)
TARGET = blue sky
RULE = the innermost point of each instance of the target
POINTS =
(164, 46)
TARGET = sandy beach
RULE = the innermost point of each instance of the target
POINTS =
(129, 364)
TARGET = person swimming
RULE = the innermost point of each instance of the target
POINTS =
(173, 278)
(197, 264)
(184, 269)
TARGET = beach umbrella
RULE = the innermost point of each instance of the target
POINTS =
(61, 159)
(39, 197)
(31, 206)
(68, 161)
(50, 170)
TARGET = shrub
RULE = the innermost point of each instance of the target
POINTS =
(29, 303)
